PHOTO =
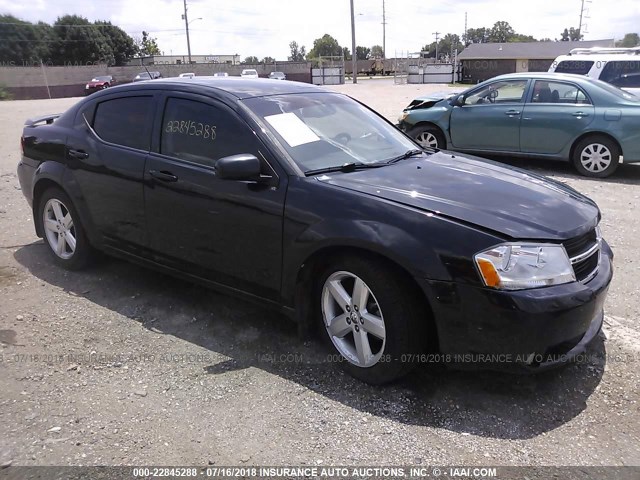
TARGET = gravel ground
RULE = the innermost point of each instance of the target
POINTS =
(120, 365)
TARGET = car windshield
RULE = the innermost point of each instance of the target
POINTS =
(143, 75)
(100, 79)
(326, 130)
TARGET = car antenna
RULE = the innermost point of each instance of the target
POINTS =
(147, 70)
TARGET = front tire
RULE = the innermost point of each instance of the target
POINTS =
(596, 156)
(371, 318)
(428, 137)
(63, 233)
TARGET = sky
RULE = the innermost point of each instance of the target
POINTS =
(266, 27)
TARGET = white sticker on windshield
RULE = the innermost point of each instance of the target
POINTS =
(292, 129)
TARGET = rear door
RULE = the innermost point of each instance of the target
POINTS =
(490, 118)
(107, 161)
(555, 114)
(227, 231)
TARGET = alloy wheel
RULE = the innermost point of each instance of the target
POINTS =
(59, 228)
(353, 319)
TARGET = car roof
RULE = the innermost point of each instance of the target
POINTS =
(241, 88)
(609, 57)
(571, 77)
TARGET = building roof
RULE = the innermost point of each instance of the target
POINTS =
(527, 50)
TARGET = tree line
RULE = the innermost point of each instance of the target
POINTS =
(70, 40)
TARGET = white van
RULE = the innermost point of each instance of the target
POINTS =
(617, 66)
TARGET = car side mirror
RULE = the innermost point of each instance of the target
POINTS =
(457, 101)
(239, 167)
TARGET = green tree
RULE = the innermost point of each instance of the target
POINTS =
(571, 34)
(363, 53)
(476, 35)
(518, 37)
(629, 40)
(78, 41)
(501, 32)
(377, 52)
(268, 60)
(297, 53)
(147, 45)
(326, 46)
(23, 43)
(122, 45)
(251, 60)
(346, 53)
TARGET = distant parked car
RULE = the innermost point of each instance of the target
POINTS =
(221, 74)
(146, 76)
(249, 73)
(540, 115)
(187, 75)
(99, 83)
(277, 76)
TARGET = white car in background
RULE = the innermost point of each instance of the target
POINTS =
(618, 66)
(221, 74)
(249, 73)
(187, 75)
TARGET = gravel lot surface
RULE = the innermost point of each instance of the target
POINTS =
(121, 365)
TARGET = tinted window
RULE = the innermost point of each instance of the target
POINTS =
(507, 91)
(557, 92)
(622, 73)
(202, 133)
(125, 121)
(579, 67)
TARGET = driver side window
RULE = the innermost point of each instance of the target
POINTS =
(506, 91)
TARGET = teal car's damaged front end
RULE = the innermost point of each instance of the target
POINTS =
(573, 118)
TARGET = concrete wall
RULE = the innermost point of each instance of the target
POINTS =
(69, 81)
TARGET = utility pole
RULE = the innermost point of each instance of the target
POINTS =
(186, 26)
(583, 10)
(436, 34)
(466, 40)
(354, 60)
(384, 32)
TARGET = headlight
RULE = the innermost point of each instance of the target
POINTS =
(516, 267)
(86, 86)
(403, 116)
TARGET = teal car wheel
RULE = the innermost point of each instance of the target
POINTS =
(428, 137)
(596, 156)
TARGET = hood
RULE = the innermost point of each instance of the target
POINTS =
(503, 199)
(430, 100)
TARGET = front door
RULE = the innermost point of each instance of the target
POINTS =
(227, 231)
(489, 120)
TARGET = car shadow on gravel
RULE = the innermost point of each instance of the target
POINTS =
(488, 404)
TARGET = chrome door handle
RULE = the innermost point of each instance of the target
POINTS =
(512, 112)
(580, 114)
(78, 154)
(163, 176)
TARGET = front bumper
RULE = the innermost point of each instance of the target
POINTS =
(533, 329)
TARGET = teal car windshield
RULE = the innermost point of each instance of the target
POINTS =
(324, 130)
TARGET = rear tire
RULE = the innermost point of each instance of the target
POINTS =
(596, 156)
(63, 233)
(371, 318)
(428, 137)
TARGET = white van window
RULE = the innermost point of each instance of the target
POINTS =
(622, 73)
(579, 67)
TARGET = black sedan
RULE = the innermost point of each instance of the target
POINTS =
(310, 202)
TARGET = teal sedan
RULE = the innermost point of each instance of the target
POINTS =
(566, 117)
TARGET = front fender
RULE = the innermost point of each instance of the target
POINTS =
(426, 245)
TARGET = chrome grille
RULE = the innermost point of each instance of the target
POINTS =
(584, 253)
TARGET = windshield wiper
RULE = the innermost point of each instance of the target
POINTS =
(345, 167)
(405, 155)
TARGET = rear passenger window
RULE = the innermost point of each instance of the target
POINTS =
(579, 67)
(125, 121)
(557, 92)
(622, 73)
(202, 133)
